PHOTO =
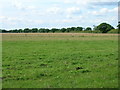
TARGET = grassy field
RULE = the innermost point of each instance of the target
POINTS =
(60, 60)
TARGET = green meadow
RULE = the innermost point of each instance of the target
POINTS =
(60, 60)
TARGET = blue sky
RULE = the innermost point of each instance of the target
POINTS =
(15, 14)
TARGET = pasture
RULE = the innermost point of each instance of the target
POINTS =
(57, 60)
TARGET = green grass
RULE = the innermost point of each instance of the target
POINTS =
(60, 61)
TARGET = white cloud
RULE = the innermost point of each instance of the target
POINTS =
(2, 17)
(54, 10)
(110, 19)
(17, 20)
(87, 1)
(72, 10)
(21, 5)
(114, 10)
(65, 11)
(18, 5)
(104, 11)
(71, 19)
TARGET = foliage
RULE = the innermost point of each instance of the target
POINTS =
(34, 30)
(79, 29)
(104, 27)
(88, 29)
(54, 30)
(63, 29)
(26, 30)
(118, 25)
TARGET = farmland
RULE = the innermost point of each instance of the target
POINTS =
(57, 60)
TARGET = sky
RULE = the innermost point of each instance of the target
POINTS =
(20, 14)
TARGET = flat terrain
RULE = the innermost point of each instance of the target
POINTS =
(60, 60)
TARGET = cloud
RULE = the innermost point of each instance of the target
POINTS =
(104, 11)
(105, 3)
(73, 10)
(21, 13)
(110, 19)
(54, 10)
(91, 4)
(63, 11)
(18, 5)
(16, 21)
(97, 2)
(114, 10)
(21, 6)
(77, 2)
(101, 11)
(70, 19)
(2, 17)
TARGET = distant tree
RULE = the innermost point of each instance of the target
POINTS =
(79, 29)
(118, 25)
(20, 31)
(26, 30)
(47, 30)
(10, 31)
(104, 27)
(42, 30)
(4, 31)
(34, 30)
(54, 30)
(88, 29)
(15, 31)
(68, 29)
(73, 28)
(63, 30)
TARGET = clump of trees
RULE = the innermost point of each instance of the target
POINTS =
(102, 28)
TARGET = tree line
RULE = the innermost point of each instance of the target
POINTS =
(102, 28)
